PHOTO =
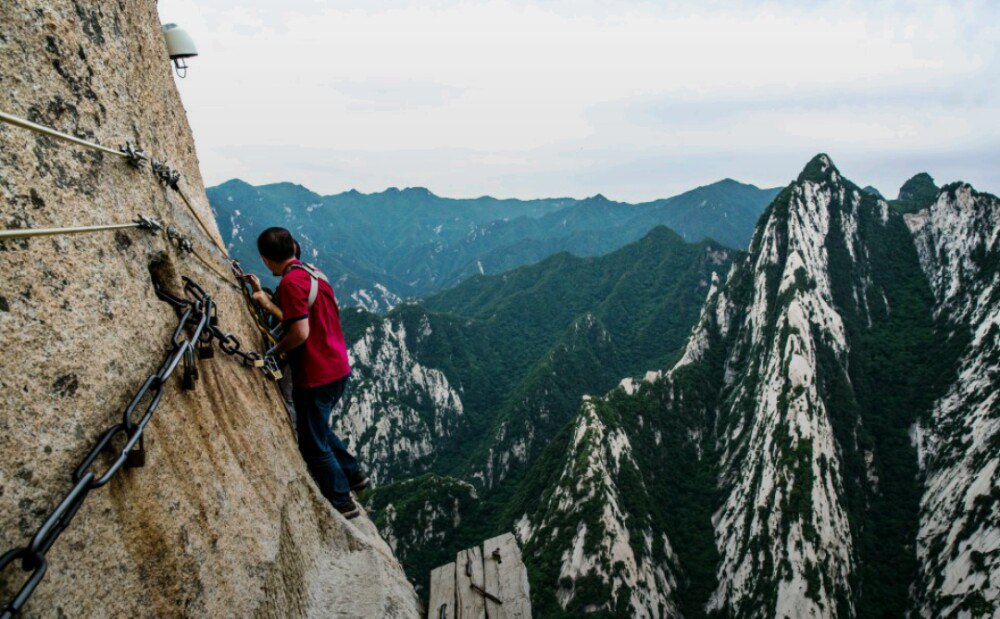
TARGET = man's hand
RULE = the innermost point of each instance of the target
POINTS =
(263, 299)
(254, 283)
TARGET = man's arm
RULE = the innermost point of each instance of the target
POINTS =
(294, 299)
(265, 302)
(295, 336)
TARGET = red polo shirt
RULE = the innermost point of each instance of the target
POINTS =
(322, 359)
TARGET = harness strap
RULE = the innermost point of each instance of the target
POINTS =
(314, 276)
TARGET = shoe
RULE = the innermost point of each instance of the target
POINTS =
(349, 510)
(360, 483)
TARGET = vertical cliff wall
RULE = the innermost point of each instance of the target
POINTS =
(223, 520)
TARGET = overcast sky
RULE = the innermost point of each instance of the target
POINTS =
(633, 99)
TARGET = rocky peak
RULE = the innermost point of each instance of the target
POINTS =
(758, 403)
(954, 236)
(873, 191)
(916, 194)
(819, 169)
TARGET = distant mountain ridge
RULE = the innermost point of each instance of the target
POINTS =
(404, 243)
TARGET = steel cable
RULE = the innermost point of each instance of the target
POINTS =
(10, 119)
(136, 157)
(141, 222)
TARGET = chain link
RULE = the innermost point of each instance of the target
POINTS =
(197, 326)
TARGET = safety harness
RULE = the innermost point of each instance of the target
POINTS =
(314, 276)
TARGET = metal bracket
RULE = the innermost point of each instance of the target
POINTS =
(182, 242)
(486, 594)
(151, 224)
(166, 174)
(133, 154)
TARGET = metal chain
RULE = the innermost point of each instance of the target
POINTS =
(193, 318)
(197, 327)
(229, 343)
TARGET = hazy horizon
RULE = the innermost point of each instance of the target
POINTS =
(546, 98)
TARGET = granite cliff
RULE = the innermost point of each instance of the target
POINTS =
(223, 519)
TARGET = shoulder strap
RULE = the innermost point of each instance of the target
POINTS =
(314, 276)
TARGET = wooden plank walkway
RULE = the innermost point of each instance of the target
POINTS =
(506, 578)
(469, 573)
(442, 604)
(488, 582)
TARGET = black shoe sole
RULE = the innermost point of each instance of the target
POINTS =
(351, 514)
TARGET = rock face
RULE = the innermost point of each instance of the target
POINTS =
(223, 520)
(958, 240)
(397, 408)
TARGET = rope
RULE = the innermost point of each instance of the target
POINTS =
(141, 222)
(201, 222)
(225, 278)
(258, 314)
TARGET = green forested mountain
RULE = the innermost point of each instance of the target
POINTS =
(918, 193)
(398, 244)
(471, 384)
(809, 428)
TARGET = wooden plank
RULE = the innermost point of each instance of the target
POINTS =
(442, 603)
(471, 604)
(507, 578)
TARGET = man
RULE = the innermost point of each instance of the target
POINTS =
(314, 343)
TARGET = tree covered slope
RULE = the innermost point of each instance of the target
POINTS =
(470, 386)
(510, 355)
(817, 434)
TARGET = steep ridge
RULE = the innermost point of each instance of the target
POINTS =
(958, 240)
(484, 366)
(223, 519)
(770, 471)
(397, 410)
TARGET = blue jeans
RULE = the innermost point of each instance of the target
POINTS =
(326, 456)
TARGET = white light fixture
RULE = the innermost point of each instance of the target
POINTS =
(179, 47)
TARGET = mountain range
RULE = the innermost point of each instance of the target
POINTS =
(454, 397)
(399, 244)
(809, 428)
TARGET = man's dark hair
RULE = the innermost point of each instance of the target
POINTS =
(276, 244)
